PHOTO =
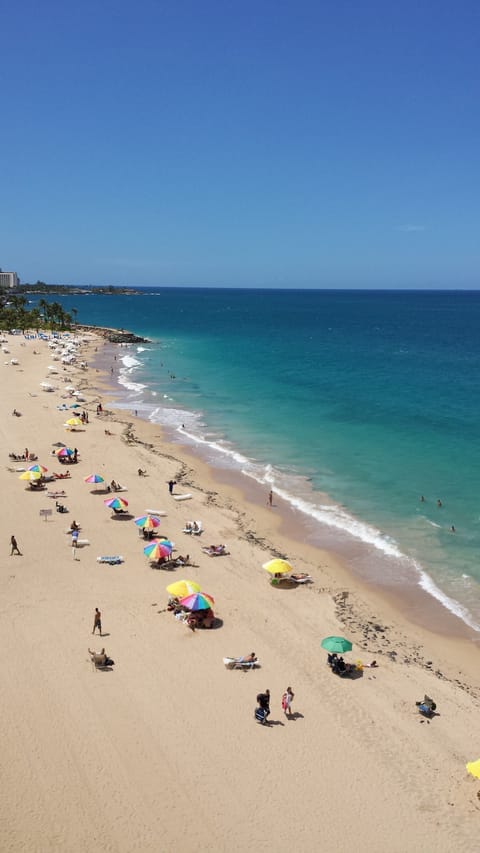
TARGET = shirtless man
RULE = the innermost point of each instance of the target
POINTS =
(97, 621)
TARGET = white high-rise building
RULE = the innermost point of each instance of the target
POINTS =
(8, 279)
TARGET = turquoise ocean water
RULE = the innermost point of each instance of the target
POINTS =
(351, 405)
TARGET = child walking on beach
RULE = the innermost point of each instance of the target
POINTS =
(287, 700)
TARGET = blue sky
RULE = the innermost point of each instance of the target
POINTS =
(275, 144)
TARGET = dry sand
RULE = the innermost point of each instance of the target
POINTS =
(162, 753)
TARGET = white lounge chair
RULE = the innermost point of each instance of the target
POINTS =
(112, 561)
(216, 550)
(193, 527)
(239, 663)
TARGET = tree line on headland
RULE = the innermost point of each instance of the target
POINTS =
(14, 313)
(69, 289)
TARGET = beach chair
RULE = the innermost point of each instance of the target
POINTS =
(238, 663)
(426, 707)
(215, 550)
(100, 661)
(193, 527)
(112, 561)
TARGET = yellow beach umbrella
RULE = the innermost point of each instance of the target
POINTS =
(277, 567)
(31, 475)
(180, 589)
(74, 422)
(473, 767)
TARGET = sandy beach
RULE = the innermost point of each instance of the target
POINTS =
(162, 752)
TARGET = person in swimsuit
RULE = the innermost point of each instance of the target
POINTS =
(287, 700)
(97, 621)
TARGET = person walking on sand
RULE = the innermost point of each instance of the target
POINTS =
(263, 700)
(14, 549)
(171, 484)
(97, 621)
(287, 700)
(270, 498)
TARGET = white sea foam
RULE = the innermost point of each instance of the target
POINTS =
(135, 387)
(295, 489)
(130, 361)
(453, 606)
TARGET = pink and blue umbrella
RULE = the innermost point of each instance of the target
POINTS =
(63, 452)
(93, 478)
(116, 503)
(198, 601)
(148, 522)
(158, 550)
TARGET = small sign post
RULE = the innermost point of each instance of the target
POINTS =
(46, 513)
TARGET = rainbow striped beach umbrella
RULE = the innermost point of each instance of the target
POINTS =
(40, 468)
(63, 452)
(31, 475)
(148, 522)
(116, 503)
(93, 478)
(158, 550)
(198, 601)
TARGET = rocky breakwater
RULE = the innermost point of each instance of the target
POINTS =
(114, 336)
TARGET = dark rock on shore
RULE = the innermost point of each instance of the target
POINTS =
(114, 336)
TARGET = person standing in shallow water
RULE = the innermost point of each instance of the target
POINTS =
(270, 498)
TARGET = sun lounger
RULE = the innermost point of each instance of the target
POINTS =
(159, 512)
(239, 663)
(59, 494)
(193, 527)
(216, 550)
(291, 580)
(112, 561)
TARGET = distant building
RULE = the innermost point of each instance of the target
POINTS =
(8, 279)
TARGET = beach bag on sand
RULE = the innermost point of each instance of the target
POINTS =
(260, 715)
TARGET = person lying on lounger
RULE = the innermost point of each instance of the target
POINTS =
(100, 658)
(251, 658)
(216, 550)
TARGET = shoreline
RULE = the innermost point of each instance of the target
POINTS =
(412, 611)
(417, 604)
(117, 754)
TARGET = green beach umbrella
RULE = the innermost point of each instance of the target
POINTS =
(336, 644)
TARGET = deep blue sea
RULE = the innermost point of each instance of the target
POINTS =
(351, 405)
